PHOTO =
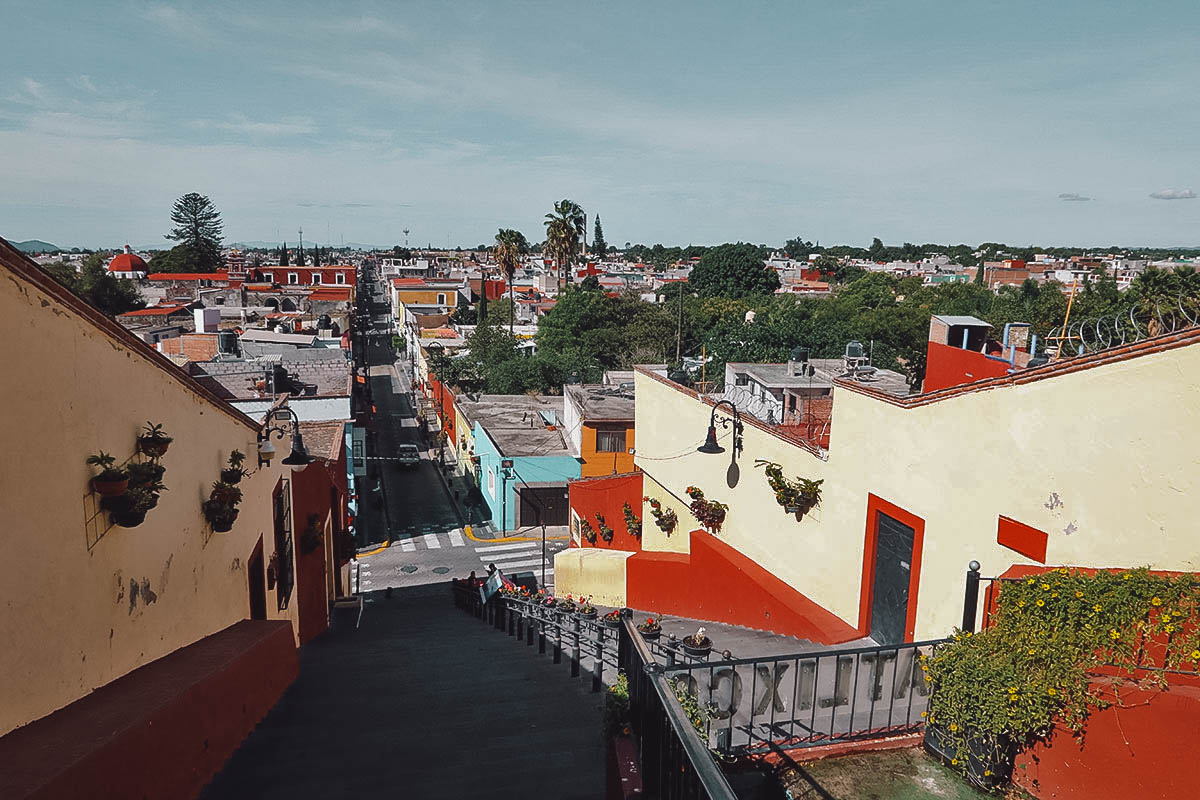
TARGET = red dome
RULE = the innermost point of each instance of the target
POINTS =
(127, 262)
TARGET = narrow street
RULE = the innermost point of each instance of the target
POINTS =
(412, 530)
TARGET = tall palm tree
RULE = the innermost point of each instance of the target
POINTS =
(510, 246)
(566, 227)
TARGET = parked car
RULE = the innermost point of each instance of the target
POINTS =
(408, 455)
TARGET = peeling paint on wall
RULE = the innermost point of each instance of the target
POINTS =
(120, 587)
(142, 590)
(236, 565)
(1054, 502)
(1071, 528)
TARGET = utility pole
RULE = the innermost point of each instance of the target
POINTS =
(679, 329)
(543, 521)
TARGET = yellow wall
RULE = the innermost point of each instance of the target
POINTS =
(465, 431)
(1104, 460)
(69, 622)
(654, 537)
(581, 572)
(598, 464)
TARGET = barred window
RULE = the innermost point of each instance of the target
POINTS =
(610, 441)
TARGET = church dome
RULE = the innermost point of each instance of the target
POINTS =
(127, 262)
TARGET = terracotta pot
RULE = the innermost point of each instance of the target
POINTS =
(155, 448)
(110, 488)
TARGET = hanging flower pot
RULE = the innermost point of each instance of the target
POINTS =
(220, 515)
(650, 629)
(154, 442)
(697, 645)
(234, 472)
(112, 480)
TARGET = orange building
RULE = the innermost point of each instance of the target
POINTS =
(599, 428)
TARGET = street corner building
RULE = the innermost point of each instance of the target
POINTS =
(155, 600)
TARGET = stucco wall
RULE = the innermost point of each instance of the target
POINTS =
(76, 618)
(599, 574)
(1104, 460)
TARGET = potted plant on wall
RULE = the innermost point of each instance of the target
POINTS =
(234, 472)
(606, 533)
(586, 531)
(153, 442)
(650, 628)
(220, 509)
(633, 523)
(709, 513)
(665, 518)
(112, 480)
(586, 609)
(129, 510)
(796, 497)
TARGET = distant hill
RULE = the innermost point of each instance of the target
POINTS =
(36, 246)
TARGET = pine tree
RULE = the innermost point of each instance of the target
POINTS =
(283, 255)
(198, 229)
(316, 256)
(599, 246)
(300, 261)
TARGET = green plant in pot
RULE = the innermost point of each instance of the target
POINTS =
(633, 523)
(606, 533)
(129, 510)
(153, 442)
(796, 497)
(586, 609)
(146, 473)
(234, 472)
(112, 480)
(220, 509)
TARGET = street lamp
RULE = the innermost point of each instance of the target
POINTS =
(710, 445)
(298, 458)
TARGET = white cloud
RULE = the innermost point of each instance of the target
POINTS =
(285, 126)
(1174, 194)
(1073, 197)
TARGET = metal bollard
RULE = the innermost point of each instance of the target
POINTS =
(529, 632)
(557, 643)
(574, 646)
(521, 622)
(598, 667)
(541, 639)
(512, 622)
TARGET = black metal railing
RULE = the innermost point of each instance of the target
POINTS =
(674, 759)
(811, 698)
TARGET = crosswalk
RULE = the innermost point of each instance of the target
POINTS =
(509, 557)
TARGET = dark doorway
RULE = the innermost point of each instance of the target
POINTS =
(893, 570)
(258, 583)
(544, 504)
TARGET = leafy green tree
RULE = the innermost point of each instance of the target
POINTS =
(198, 228)
(564, 231)
(733, 270)
(599, 246)
(798, 248)
(876, 251)
(96, 285)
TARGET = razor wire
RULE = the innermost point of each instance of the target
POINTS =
(1129, 325)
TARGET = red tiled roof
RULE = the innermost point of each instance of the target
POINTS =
(330, 293)
(414, 282)
(127, 262)
(185, 276)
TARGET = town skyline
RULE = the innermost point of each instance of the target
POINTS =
(1061, 126)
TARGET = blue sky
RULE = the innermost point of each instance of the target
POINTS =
(1046, 123)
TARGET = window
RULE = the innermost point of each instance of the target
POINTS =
(269, 277)
(492, 482)
(740, 379)
(610, 441)
(316, 278)
(441, 299)
(283, 558)
(339, 277)
(293, 279)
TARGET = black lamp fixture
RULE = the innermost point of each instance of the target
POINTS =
(710, 441)
(298, 458)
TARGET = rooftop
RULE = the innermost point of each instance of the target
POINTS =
(323, 439)
(779, 376)
(961, 320)
(518, 423)
(243, 380)
(597, 402)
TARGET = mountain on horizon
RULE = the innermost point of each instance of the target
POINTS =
(36, 246)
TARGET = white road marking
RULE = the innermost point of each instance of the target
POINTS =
(495, 548)
(431, 541)
(456, 539)
(527, 563)
(407, 545)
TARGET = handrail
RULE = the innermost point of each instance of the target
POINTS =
(832, 651)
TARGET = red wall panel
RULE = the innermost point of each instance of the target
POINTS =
(1025, 539)
(947, 366)
(716, 582)
(607, 496)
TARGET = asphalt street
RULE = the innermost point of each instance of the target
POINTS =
(414, 532)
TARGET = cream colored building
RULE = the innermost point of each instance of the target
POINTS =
(83, 602)
(1096, 459)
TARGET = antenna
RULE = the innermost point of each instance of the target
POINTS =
(406, 238)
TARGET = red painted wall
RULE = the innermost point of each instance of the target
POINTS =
(607, 496)
(311, 495)
(716, 582)
(947, 366)
(442, 400)
(1146, 749)
(161, 731)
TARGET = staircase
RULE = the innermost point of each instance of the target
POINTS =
(422, 702)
